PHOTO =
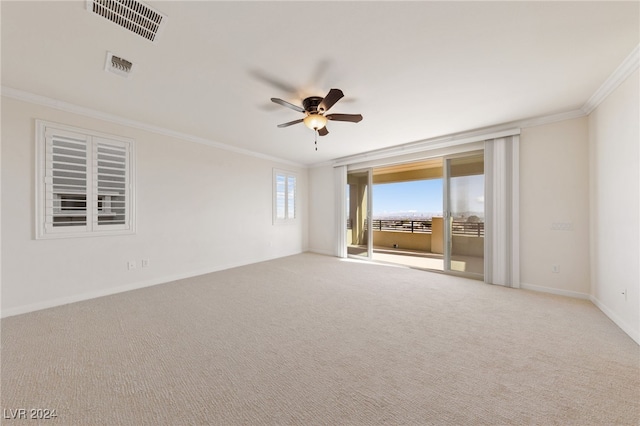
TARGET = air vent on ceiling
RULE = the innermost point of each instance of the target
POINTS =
(118, 65)
(133, 15)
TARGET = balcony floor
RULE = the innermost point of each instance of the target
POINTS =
(422, 260)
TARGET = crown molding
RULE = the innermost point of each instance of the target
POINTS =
(620, 74)
(624, 70)
(24, 96)
(426, 145)
(491, 132)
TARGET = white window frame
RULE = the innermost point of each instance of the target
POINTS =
(290, 212)
(48, 204)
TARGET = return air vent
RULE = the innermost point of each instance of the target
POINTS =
(118, 65)
(133, 15)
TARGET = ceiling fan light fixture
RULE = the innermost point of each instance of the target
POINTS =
(315, 121)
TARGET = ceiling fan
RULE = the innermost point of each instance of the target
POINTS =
(314, 109)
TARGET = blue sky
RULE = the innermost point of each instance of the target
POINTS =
(407, 197)
(425, 196)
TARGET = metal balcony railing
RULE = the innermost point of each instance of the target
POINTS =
(413, 226)
(467, 228)
(423, 226)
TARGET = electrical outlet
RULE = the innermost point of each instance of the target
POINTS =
(561, 226)
(145, 263)
(555, 269)
(131, 264)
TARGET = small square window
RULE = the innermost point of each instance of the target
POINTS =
(84, 182)
(284, 196)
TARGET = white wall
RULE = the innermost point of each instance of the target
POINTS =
(554, 188)
(199, 209)
(322, 210)
(615, 212)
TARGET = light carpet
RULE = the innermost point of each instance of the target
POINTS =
(312, 339)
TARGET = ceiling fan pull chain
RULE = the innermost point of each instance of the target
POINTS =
(316, 139)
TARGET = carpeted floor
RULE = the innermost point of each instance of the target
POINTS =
(312, 339)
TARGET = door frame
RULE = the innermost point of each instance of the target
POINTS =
(447, 214)
(369, 171)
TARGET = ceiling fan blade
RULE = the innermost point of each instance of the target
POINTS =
(290, 123)
(353, 118)
(287, 104)
(323, 131)
(273, 81)
(332, 97)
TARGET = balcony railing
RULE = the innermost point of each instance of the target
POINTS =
(467, 228)
(424, 226)
(413, 226)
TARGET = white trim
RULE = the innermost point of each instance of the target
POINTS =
(426, 145)
(550, 118)
(491, 132)
(322, 251)
(556, 291)
(21, 95)
(633, 333)
(624, 70)
(418, 156)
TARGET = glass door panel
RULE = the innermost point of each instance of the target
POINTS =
(359, 213)
(464, 214)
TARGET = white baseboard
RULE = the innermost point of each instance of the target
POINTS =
(559, 292)
(128, 287)
(633, 333)
(321, 251)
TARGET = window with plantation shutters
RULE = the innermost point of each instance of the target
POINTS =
(284, 194)
(85, 182)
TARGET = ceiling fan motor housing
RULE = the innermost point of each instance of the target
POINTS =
(311, 103)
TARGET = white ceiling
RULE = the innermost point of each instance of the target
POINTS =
(414, 70)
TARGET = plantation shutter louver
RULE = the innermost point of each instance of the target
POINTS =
(281, 206)
(110, 184)
(84, 183)
(291, 197)
(66, 181)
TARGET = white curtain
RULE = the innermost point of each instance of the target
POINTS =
(340, 181)
(502, 248)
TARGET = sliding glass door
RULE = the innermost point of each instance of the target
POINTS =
(464, 214)
(359, 235)
(449, 240)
